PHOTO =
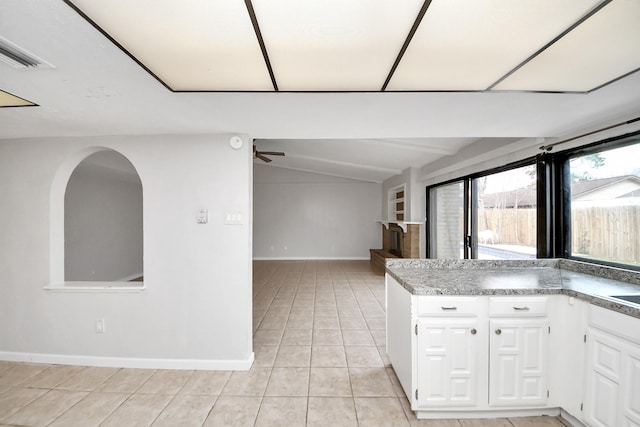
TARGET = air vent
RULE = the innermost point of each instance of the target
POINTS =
(13, 55)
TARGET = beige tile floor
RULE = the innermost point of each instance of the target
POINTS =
(320, 361)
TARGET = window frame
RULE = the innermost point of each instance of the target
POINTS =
(470, 238)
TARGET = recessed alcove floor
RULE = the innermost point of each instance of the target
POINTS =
(319, 334)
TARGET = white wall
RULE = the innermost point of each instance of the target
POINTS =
(300, 215)
(196, 309)
(103, 222)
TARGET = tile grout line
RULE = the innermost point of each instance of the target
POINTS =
(271, 369)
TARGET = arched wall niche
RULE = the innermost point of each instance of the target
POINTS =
(95, 191)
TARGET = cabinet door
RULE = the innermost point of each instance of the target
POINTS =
(604, 365)
(518, 361)
(447, 361)
(631, 387)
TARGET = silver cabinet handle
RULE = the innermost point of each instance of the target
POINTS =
(473, 331)
(498, 331)
(521, 308)
(448, 308)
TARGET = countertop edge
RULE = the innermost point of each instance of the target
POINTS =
(599, 300)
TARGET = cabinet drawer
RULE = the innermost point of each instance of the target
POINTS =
(448, 306)
(518, 306)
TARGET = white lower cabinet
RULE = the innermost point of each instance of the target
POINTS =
(518, 351)
(447, 362)
(612, 392)
(488, 356)
(481, 353)
(631, 388)
(604, 363)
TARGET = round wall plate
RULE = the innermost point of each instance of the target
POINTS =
(235, 142)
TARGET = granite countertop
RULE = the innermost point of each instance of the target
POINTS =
(593, 283)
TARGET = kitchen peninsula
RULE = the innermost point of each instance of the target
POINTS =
(483, 338)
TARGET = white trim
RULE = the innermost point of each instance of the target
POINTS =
(130, 362)
(88, 286)
(311, 258)
(571, 419)
(460, 413)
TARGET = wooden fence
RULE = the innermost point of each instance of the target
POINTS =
(512, 226)
(607, 233)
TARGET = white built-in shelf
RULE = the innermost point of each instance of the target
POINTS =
(396, 200)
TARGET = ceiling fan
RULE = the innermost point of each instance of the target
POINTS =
(262, 155)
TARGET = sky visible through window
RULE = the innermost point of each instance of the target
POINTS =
(617, 162)
(513, 179)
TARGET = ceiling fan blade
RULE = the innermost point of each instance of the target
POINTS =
(261, 157)
(272, 153)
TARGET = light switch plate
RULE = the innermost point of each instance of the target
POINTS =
(233, 218)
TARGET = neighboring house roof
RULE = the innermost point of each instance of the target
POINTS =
(594, 189)
(606, 188)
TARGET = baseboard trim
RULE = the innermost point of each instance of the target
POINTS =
(575, 422)
(460, 413)
(130, 362)
(314, 258)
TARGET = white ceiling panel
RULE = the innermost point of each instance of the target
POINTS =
(470, 44)
(334, 45)
(194, 45)
(604, 47)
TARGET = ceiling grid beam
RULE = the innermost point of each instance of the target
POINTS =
(552, 42)
(412, 32)
(614, 80)
(116, 43)
(263, 47)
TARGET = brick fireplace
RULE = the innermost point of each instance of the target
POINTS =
(392, 237)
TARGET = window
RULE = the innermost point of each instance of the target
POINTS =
(506, 212)
(485, 216)
(446, 225)
(604, 204)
